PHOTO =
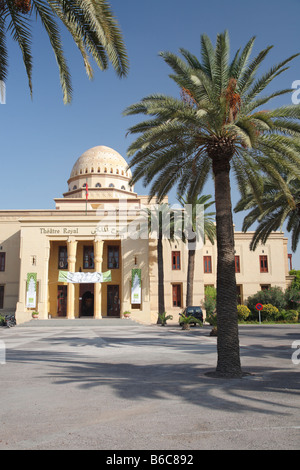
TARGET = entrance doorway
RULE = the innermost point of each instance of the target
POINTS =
(176, 295)
(113, 301)
(62, 301)
(86, 297)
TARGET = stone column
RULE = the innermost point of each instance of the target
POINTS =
(43, 294)
(98, 258)
(72, 247)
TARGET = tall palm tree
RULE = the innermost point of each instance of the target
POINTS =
(91, 23)
(220, 129)
(272, 210)
(157, 220)
(203, 226)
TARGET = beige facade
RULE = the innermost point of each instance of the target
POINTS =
(86, 234)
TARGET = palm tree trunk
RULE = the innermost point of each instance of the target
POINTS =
(161, 290)
(228, 364)
(190, 277)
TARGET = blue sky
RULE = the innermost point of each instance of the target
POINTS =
(41, 138)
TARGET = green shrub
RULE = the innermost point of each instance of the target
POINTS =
(210, 301)
(269, 312)
(243, 312)
(2, 321)
(211, 319)
(292, 298)
(280, 316)
(164, 318)
(296, 280)
(273, 296)
(291, 316)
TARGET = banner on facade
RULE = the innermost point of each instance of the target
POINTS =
(31, 290)
(136, 286)
(84, 278)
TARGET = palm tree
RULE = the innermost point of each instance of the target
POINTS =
(202, 226)
(221, 128)
(91, 23)
(158, 220)
(272, 209)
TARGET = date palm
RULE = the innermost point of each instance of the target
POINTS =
(202, 226)
(218, 129)
(158, 220)
(272, 210)
(91, 24)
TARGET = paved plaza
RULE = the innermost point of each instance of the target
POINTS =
(118, 385)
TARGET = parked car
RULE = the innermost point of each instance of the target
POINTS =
(195, 312)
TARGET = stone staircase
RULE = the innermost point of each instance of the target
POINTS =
(79, 322)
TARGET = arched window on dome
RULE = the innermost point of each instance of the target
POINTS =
(123, 187)
(111, 185)
(81, 172)
(84, 185)
(105, 170)
(123, 172)
(92, 170)
(117, 171)
(98, 169)
(98, 185)
(111, 170)
(74, 187)
(86, 170)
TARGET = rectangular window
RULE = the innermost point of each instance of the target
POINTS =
(1, 296)
(176, 295)
(88, 257)
(265, 286)
(239, 294)
(263, 263)
(62, 257)
(113, 257)
(207, 264)
(237, 264)
(2, 261)
(175, 260)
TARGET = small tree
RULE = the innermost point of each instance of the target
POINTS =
(210, 301)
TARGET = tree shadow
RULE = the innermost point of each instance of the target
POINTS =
(137, 380)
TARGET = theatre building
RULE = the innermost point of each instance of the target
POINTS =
(86, 258)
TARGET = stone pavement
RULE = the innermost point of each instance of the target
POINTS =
(123, 386)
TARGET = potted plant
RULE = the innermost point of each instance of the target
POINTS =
(212, 320)
(35, 314)
(127, 314)
(164, 318)
(185, 321)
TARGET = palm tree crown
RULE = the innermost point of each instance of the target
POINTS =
(217, 126)
(91, 23)
(272, 210)
(220, 122)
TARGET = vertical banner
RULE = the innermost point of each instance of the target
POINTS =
(136, 286)
(31, 290)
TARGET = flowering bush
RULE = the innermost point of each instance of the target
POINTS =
(243, 312)
(269, 312)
